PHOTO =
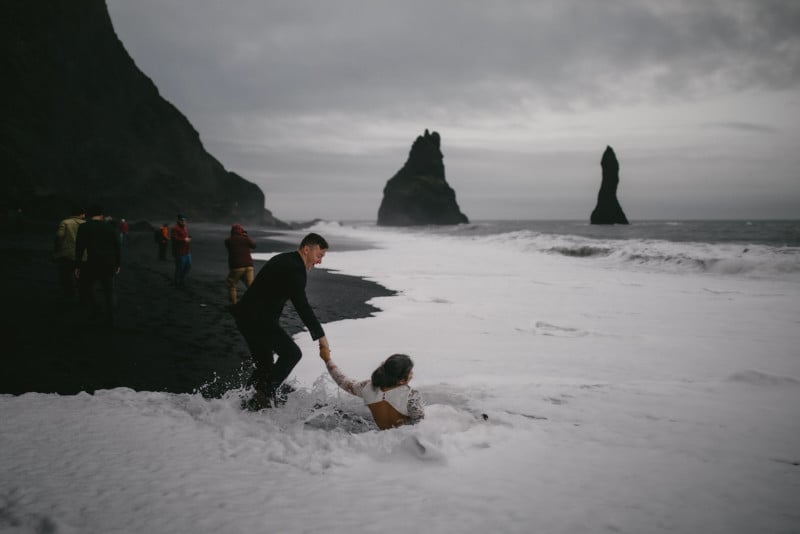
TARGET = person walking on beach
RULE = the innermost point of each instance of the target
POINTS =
(181, 250)
(240, 261)
(258, 312)
(123, 232)
(387, 394)
(98, 241)
(64, 250)
(161, 237)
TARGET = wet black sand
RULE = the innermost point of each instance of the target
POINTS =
(163, 339)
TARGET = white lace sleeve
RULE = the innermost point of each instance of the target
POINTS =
(416, 408)
(347, 384)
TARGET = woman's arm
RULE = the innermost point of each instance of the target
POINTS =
(347, 384)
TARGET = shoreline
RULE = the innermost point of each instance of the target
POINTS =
(164, 339)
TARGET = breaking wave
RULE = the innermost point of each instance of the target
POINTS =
(728, 258)
(582, 251)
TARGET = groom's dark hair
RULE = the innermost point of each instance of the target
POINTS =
(314, 239)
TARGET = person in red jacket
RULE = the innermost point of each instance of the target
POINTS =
(181, 251)
(123, 232)
(240, 261)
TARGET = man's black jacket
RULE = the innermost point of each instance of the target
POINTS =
(282, 278)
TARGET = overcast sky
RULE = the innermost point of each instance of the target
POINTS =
(318, 102)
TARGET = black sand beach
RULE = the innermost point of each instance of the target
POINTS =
(164, 339)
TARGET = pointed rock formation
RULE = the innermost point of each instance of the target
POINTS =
(418, 194)
(608, 210)
(81, 123)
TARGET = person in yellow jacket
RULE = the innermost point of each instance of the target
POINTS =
(64, 250)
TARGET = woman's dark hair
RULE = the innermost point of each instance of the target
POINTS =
(396, 368)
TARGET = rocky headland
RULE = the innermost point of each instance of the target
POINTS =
(81, 123)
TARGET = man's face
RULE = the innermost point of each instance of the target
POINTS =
(182, 222)
(312, 255)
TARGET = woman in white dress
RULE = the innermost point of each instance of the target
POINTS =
(387, 394)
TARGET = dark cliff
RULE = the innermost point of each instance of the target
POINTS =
(608, 210)
(81, 123)
(419, 194)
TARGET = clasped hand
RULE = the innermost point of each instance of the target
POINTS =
(324, 353)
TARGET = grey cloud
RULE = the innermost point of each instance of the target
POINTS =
(318, 101)
(385, 56)
(744, 126)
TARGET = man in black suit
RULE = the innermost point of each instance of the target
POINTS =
(259, 310)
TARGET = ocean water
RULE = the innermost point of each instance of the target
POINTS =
(577, 379)
(743, 232)
(758, 247)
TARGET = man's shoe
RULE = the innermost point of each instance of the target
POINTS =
(259, 401)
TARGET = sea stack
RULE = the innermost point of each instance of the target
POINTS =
(608, 210)
(418, 194)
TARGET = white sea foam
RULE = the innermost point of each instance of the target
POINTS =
(566, 393)
(725, 258)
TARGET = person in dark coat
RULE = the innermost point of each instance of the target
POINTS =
(258, 312)
(99, 241)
